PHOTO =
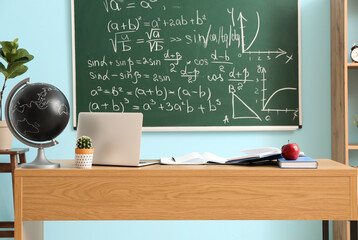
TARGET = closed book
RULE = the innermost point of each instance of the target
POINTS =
(301, 162)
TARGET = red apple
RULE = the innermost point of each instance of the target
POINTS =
(290, 151)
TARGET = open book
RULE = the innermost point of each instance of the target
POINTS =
(257, 154)
(193, 158)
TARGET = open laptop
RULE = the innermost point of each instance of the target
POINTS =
(116, 137)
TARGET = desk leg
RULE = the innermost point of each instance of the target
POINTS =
(29, 230)
(325, 230)
(13, 163)
(354, 230)
(25, 230)
(18, 228)
(33, 230)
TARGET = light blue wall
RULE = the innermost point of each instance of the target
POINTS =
(43, 27)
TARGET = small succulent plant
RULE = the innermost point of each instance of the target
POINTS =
(84, 142)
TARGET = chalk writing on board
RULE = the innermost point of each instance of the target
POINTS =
(229, 70)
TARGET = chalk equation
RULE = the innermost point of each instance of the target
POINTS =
(225, 66)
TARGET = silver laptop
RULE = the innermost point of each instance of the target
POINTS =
(116, 137)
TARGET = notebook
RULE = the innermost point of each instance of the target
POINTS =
(301, 162)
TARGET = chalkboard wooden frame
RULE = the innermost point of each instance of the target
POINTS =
(201, 128)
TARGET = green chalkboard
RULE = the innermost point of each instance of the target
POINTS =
(189, 64)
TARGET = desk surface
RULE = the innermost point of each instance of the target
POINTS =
(326, 167)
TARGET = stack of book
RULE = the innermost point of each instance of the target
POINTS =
(243, 157)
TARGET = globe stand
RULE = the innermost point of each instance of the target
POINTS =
(40, 161)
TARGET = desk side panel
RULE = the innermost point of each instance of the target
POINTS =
(186, 198)
(18, 208)
(354, 198)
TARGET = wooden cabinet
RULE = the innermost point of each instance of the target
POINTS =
(339, 93)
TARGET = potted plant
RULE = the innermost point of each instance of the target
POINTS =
(14, 58)
(84, 152)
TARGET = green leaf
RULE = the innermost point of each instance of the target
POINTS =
(16, 71)
(3, 69)
(7, 47)
(9, 50)
(2, 55)
(20, 62)
(15, 58)
(14, 45)
(22, 56)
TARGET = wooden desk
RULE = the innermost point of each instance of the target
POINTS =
(201, 192)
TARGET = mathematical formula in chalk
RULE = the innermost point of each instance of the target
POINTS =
(194, 65)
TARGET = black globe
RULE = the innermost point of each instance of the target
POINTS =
(39, 112)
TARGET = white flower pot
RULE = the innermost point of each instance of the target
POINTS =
(5, 136)
(83, 158)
